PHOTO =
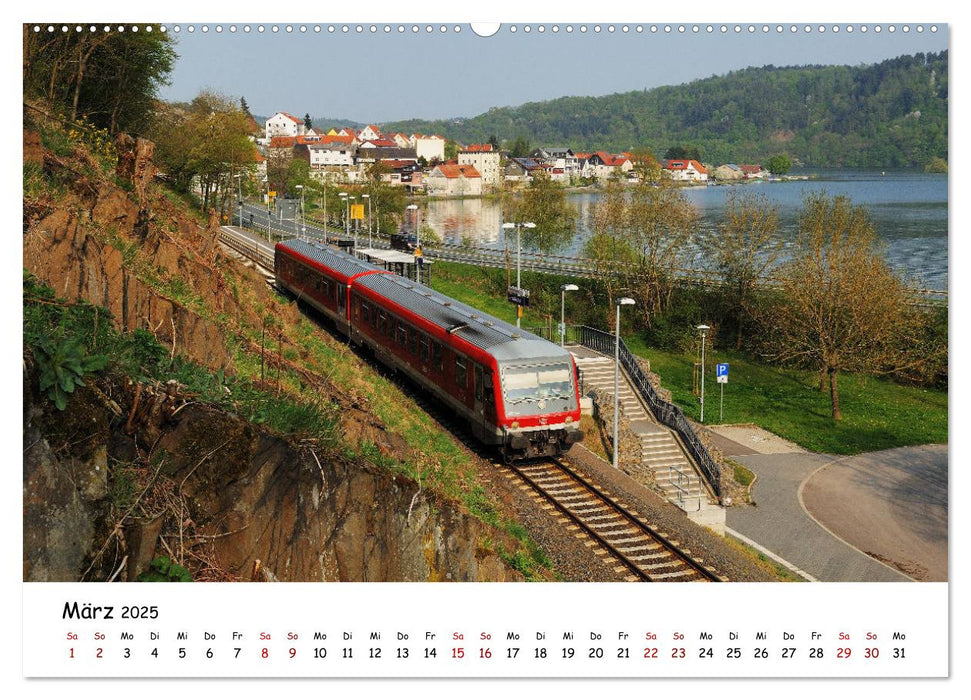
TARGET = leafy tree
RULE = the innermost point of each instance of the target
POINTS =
(842, 307)
(744, 248)
(544, 203)
(205, 141)
(494, 142)
(520, 148)
(308, 122)
(298, 173)
(608, 246)
(683, 153)
(646, 166)
(660, 221)
(451, 150)
(778, 164)
(244, 106)
(109, 78)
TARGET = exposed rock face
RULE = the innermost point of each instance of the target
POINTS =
(247, 496)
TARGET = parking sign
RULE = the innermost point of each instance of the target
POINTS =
(721, 372)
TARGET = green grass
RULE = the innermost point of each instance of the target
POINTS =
(877, 414)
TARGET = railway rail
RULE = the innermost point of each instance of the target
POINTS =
(648, 554)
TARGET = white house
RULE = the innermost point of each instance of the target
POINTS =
(428, 147)
(686, 171)
(485, 160)
(602, 165)
(324, 156)
(450, 179)
(369, 133)
(283, 124)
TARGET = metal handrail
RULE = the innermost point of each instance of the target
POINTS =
(666, 413)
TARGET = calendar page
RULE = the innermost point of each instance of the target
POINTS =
(568, 348)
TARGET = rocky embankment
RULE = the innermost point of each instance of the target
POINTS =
(133, 469)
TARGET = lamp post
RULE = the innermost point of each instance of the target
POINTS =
(704, 329)
(368, 198)
(239, 201)
(623, 301)
(303, 229)
(347, 214)
(269, 233)
(415, 212)
(519, 259)
(563, 290)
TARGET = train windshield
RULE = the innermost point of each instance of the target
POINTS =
(537, 383)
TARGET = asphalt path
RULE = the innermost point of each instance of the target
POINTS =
(890, 504)
(875, 517)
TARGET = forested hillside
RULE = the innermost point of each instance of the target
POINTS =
(890, 114)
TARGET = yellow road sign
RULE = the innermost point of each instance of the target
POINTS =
(357, 211)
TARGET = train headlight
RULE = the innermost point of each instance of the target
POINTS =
(515, 425)
(569, 419)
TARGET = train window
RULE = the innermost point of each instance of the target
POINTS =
(461, 375)
(402, 337)
(478, 382)
(365, 311)
(412, 341)
(488, 393)
(382, 323)
(437, 357)
(423, 349)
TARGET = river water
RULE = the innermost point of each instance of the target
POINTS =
(908, 210)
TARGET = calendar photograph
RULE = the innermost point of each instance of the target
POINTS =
(552, 303)
(336, 322)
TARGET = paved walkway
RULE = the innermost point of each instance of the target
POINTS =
(880, 516)
(890, 504)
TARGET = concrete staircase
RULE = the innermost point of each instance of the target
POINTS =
(661, 451)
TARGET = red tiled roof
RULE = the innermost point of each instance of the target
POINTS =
(451, 170)
(684, 164)
(751, 168)
(609, 159)
(382, 143)
(291, 117)
(337, 138)
(282, 142)
(478, 148)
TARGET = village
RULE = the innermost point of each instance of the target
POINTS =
(434, 166)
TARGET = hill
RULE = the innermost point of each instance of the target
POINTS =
(890, 114)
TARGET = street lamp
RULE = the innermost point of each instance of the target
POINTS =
(704, 329)
(416, 214)
(237, 177)
(368, 198)
(347, 224)
(519, 258)
(563, 290)
(303, 228)
(623, 301)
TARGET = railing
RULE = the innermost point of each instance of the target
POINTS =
(248, 247)
(666, 413)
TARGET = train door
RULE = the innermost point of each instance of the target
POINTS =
(343, 292)
(485, 408)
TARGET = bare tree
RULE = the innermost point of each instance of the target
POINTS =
(745, 247)
(842, 308)
(661, 221)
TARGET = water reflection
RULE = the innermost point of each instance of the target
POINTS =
(909, 211)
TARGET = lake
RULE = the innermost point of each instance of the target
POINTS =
(909, 211)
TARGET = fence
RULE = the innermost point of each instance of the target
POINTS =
(666, 413)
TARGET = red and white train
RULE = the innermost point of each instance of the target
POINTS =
(516, 390)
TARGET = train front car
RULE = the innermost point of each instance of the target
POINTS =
(539, 411)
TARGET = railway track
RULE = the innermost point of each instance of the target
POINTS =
(646, 553)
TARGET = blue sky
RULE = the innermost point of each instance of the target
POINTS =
(389, 76)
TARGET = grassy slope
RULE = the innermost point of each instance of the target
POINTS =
(877, 414)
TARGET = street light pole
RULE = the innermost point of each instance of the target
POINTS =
(414, 209)
(519, 260)
(368, 198)
(303, 228)
(704, 329)
(623, 301)
(563, 290)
